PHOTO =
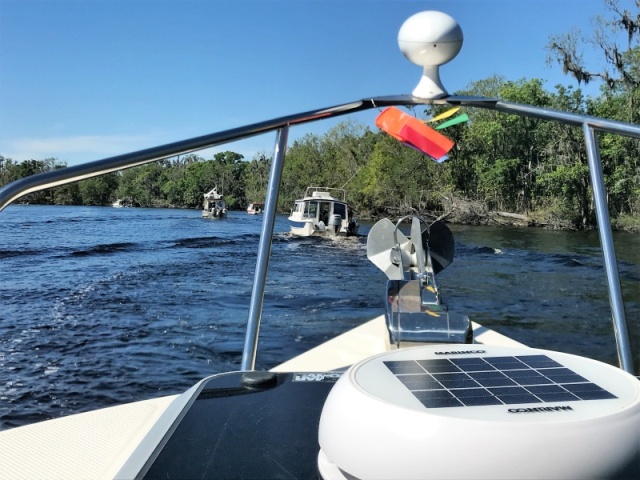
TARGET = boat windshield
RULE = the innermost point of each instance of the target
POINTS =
(310, 209)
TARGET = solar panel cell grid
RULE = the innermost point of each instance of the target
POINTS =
(476, 381)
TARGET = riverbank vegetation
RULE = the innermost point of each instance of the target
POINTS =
(503, 168)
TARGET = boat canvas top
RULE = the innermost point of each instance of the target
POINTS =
(213, 194)
(324, 193)
(490, 409)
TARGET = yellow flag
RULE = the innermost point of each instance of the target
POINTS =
(444, 115)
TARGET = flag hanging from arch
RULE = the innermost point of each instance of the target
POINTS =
(414, 133)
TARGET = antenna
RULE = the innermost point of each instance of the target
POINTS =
(430, 39)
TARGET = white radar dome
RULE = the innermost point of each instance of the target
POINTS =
(430, 39)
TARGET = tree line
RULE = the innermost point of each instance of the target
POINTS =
(499, 163)
(178, 182)
(505, 163)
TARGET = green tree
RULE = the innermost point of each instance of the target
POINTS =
(500, 154)
(98, 190)
(333, 160)
(68, 194)
(256, 178)
(616, 36)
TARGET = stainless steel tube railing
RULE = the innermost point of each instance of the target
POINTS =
(606, 241)
(264, 252)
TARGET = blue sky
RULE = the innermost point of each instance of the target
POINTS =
(84, 80)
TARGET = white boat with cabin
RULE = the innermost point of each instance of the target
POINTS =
(414, 393)
(215, 205)
(323, 211)
(255, 208)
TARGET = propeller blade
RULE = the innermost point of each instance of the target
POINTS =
(380, 244)
(441, 246)
(416, 239)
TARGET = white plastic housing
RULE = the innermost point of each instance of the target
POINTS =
(373, 427)
(430, 39)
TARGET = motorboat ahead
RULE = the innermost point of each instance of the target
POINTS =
(255, 208)
(214, 205)
(323, 211)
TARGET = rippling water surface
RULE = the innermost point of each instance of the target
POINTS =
(101, 306)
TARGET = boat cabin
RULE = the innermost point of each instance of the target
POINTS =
(321, 213)
(321, 208)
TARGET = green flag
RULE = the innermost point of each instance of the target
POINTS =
(454, 121)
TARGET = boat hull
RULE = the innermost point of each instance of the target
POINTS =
(310, 229)
(215, 215)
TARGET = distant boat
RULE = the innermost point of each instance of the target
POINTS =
(124, 203)
(255, 208)
(214, 205)
(319, 213)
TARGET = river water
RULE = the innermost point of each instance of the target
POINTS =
(101, 306)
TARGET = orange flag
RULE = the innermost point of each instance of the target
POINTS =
(414, 133)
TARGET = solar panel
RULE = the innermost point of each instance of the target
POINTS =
(504, 380)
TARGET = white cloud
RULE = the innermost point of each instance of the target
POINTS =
(86, 148)
(77, 149)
